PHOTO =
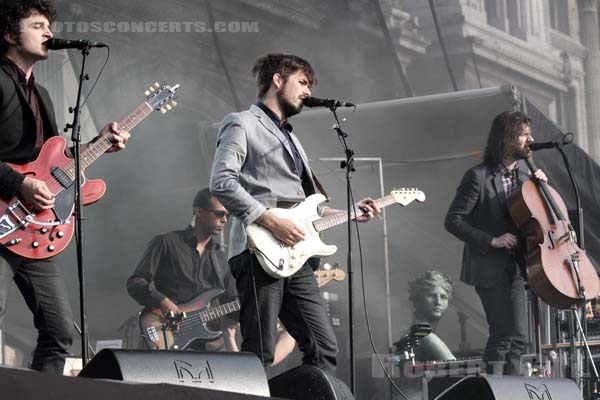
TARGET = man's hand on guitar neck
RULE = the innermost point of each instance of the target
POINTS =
(167, 305)
(35, 192)
(283, 229)
(117, 137)
(367, 206)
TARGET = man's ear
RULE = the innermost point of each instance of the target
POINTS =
(277, 80)
(10, 38)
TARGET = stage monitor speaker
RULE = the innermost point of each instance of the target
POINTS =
(231, 372)
(308, 382)
(512, 388)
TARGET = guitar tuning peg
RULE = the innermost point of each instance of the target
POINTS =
(163, 110)
(173, 103)
(168, 107)
(147, 93)
(156, 85)
(151, 89)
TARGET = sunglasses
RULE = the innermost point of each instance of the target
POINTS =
(218, 213)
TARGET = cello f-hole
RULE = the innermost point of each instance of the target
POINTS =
(552, 246)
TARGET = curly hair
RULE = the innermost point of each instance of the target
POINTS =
(505, 129)
(13, 11)
(283, 64)
(427, 281)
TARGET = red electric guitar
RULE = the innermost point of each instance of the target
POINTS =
(44, 234)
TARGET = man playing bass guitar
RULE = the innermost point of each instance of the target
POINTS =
(180, 265)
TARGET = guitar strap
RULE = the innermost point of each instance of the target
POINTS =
(319, 184)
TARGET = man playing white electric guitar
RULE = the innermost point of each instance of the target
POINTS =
(259, 165)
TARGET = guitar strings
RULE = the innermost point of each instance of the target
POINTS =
(208, 315)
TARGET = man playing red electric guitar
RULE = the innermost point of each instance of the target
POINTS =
(27, 120)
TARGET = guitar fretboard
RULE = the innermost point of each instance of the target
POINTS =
(330, 221)
(213, 313)
(96, 149)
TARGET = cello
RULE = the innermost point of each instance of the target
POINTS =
(558, 271)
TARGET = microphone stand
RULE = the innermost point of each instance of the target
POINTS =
(75, 127)
(348, 165)
(580, 239)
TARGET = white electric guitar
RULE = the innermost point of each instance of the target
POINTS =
(280, 260)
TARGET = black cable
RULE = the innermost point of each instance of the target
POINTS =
(364, 298)
(442, 44)
(98, 77)
(211, 20)
(262, 351)
(390, 45)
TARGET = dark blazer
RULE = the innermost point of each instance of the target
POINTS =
(17, 128)
(477, 214)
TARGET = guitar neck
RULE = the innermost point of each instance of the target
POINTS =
(96, 149)
(213, 313)
(330, 221)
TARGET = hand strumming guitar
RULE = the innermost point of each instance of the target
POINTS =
(35, 192)
(283, 229)
(167, 305)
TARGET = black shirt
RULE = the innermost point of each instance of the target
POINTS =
(172, 267)
(286, 128)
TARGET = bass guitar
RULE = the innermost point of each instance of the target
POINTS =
(160, 332)
(43, 234)
(176, 333)
(280, 261)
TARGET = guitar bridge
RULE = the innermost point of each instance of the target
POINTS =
(16, 216)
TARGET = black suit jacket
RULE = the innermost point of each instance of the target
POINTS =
(17, 128)
(477, 214)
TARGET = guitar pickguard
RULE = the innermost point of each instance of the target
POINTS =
(64, 203)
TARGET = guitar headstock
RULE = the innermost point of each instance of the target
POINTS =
(406, 196)
(160, 96)
(324, 276)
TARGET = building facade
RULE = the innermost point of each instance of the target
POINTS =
(548, 48)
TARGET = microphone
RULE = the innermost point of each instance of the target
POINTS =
(328, 103)
(544, 145)
(565, 140)
(59, 44)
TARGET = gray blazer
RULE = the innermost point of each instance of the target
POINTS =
(477, 214)
(253, 170)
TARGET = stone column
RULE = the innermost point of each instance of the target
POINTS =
(590, 38)
(496, 13)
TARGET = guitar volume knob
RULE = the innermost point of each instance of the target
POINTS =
(60, 234)
(35, 245)
(51, 248)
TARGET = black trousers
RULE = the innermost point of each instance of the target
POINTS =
(43, 288)
(294, 300)
(506, 313)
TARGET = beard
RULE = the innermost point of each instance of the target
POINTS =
(286, 106)
(521, 153)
